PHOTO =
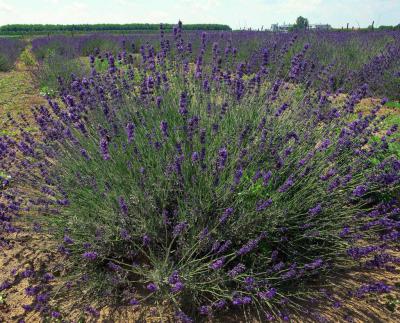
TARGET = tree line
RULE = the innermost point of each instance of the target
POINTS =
(37, 28)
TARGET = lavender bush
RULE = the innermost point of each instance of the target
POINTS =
(9, 51)
(346, 58)
(206, 187)
(55, 69)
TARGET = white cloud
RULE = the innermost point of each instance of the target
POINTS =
(53, 1)
(204, 5)
(5, 7)
(77, 6)
(236, 13)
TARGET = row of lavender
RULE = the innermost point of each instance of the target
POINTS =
(210, 187)
(10, 49)
(350, 59)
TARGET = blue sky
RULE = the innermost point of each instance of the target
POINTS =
(236, 13)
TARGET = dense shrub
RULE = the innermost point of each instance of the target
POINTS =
(348, 59)
(9, 51)
(42, 29)
(204, 188)
(27, 58)
(56, 68)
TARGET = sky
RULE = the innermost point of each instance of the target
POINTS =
(235, 13)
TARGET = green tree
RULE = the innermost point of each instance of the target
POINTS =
(301, 23)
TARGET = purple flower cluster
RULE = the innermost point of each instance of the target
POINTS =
(251, 245)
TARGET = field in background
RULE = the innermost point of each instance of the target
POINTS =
(334, 66)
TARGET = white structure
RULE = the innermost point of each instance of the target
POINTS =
(320, 27)
(281, 28)
(287, 27)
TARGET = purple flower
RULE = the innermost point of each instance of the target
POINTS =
(122, 205)
(249, 281)
(215, 246)
(224, 247)
(130, 131)
(225, 215)
(314, 265)
(5, 285)
(43, 298)
(182, 317)
(183, 104)
(125, 234)
(325, 144)
(269, 317)
(238, 300)
(267, 294)
(158, 101)
(180, 227)
(222, 157)
(28, 273)
(164, 128)
(266, 177)
(48, 277)
(281, 109)
(217, 264)
(134, 302)
(113, 267)
(263, 204)
(205, 310)
(195, 156)
(104, 148)
(288, 184)
(30, 290)
(360, 190)
(174, 278)
(85, 154)
(220, 304)
(378, 287)
(238, 175)
(92, 311)
(202, 136)
(152, 287)
(146, 240)
(344, 232)
(68, 240)
(331, 172)
(315, 210)
(359, 252)
(237, 270)
(250, 245)
(176, 288)
(90, 255)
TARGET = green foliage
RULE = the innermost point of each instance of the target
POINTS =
(137, 172)
(5, 64)
(42, 29)
(102, 45)
(27, 58)
(393, 104)
(53, 48)
(392, 303)
(3, 298)
(301, 23)
(54, 66)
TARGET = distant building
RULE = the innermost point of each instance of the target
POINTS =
(320, 27)
(281, 28)
(287, 27)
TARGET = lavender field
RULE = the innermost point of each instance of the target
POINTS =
(200, 176)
